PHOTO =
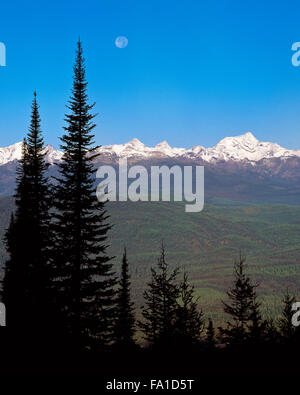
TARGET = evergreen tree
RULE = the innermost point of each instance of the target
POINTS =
(257, 326)
(82, 272)
(189, 320)
(287, 330)
(161, 306)
(39, 206)
(26, 277)
(210, 335)
(125, 320)
(242, 296)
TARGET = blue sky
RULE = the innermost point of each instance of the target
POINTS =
(193, 72)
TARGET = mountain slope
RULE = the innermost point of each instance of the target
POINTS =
(206, 244)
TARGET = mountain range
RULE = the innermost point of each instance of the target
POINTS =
(240, 148)
(239, 168)
(239, 171)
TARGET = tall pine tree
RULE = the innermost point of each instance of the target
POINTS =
(82, 272)
(26, 280)
(287, 330)
(210, 335)
(242, 296)
(125, 320)
(160, 309)
(257, 326)
(189, 323)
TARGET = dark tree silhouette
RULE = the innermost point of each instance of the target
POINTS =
(241, 308)
(82, 271)
(257, 326)
(189, 323)
(26, 280)
(125, 319)
(287, 330)
(160, 309)
(210, 335)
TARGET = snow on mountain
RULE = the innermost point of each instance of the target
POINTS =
(53, 155)
(14, 152)
(132, 148)
(10, 153)
(247, 147)
(240, 148)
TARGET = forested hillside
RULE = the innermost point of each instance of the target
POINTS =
(206, 244)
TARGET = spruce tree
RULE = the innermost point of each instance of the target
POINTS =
(82, 271)
(125, 320)
(160, 309)
(189, 323)
(210, 335)
(257, 326)
(287, 330)
(241, 295)
(26, 280)
(39, 202)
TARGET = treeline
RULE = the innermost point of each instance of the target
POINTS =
(60, 288)
(172, 317)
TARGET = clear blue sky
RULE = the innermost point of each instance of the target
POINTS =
(193, 72)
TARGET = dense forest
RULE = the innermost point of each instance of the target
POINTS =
(70, 313)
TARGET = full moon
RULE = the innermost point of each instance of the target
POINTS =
(121, 42)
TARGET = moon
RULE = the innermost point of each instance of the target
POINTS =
(121, 42)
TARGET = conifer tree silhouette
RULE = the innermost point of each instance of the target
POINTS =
(26, 280)
(287, 330)
(257, 326)
(242, 296)
(210, 335)
(82, 271)
(189, 323)
(160, 309)
(125, 319)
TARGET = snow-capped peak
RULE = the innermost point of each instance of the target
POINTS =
(14, 152)
(136, 143)
(10, 153)
(248, 136)
(244, 140)
(52, 155)
(164, 148)
(246, 146)
(164, 144)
